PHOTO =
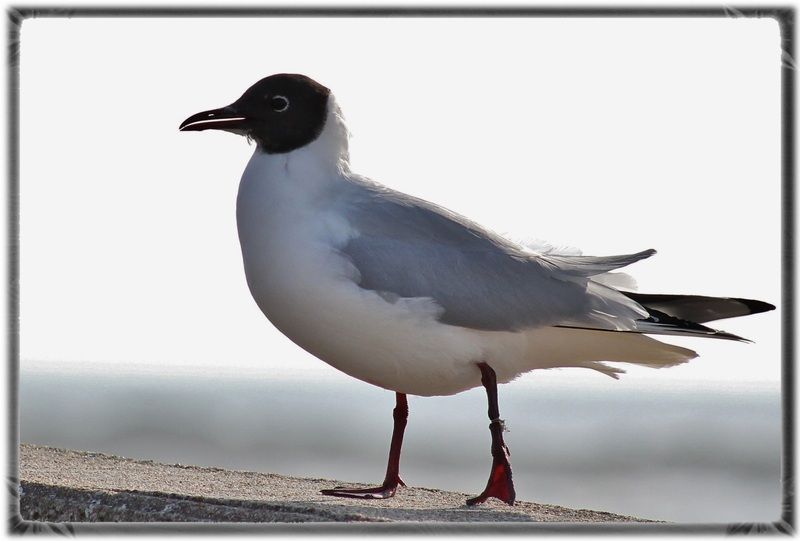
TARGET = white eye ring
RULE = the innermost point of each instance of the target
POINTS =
(279, 109)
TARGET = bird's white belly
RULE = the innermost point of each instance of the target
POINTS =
(308, 292)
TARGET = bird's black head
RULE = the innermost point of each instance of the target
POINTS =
(281, 113)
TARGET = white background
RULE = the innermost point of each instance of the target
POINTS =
(612, 135)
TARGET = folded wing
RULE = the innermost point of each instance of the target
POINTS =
(407, 247)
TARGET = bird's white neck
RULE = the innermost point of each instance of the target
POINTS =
(325, 157)
(282, 192)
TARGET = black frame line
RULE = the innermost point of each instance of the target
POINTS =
(784, 15)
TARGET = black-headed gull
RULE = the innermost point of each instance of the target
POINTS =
(411, 297)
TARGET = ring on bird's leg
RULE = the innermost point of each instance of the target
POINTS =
(501, 422)
(392, 479)
(500, 484)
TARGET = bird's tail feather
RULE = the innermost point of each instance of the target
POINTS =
(589, 348)
(581, 344)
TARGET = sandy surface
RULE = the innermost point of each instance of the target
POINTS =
(60, 485)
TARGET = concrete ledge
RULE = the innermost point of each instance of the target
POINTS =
(58, 485)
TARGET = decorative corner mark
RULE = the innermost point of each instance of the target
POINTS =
(18, 525)
(788, 61)
(732, 12)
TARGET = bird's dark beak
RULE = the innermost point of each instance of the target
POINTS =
(226, 118)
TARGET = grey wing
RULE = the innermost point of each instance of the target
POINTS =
(408, 247)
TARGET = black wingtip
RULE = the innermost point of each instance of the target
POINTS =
(756, 307)
(730, 336)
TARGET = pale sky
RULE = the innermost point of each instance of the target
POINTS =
(610, 135)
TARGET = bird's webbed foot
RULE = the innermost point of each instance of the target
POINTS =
(386, 490)
(500, 484)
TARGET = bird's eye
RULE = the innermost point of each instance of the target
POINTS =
(279, 103)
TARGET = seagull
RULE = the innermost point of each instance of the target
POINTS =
(404, 294)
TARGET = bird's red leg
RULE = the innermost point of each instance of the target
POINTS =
(500, 484)
(392, 480)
